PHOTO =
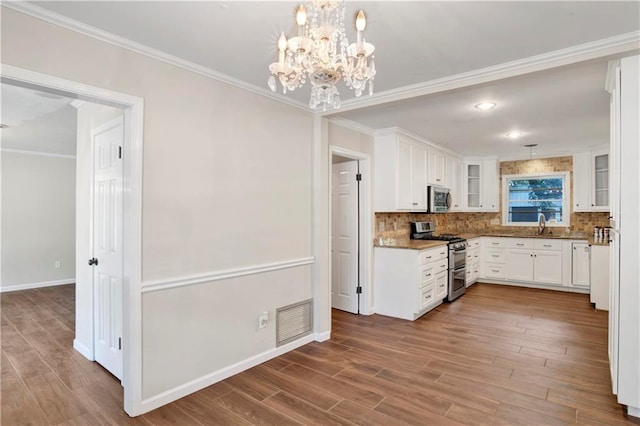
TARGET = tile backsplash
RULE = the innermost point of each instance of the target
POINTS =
(396, 225)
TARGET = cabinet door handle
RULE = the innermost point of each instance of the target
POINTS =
(428, 257)
(531, 255)
(495, 270)
(494, 255)
(495, 244)
(520, 244)
(547, 245)
(414, 204)
(442, 266)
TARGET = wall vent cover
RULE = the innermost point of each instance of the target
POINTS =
(293, 321)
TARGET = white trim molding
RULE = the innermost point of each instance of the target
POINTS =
(44, 154)
(209, 379)
(226, 274)
(107, 37)
(322, 337)
(27, 286)
(583, 52)
(83, 350)
(352, 125)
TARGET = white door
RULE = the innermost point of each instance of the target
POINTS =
(107, 245)
(344, 237)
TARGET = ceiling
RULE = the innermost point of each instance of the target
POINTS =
(416, 43)
(37, 121)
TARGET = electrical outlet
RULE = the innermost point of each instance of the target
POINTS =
(57, 264)
(263, 319)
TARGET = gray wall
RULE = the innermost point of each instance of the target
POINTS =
(38, 220)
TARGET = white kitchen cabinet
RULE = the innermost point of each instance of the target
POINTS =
(547, 267)
(591, 181)
(453, 181)
(580, 261)
(473, 260)
(400, 167)
(599, 270)
(437, 167)
(409, 283)
(525, 260)
(490, 186)
(520, 266)
(481, 179)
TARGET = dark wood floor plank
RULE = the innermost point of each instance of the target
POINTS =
(360, 415)
(207, 412)
(303, 412)
(254, 411)
(19, 406)
(499, 355)
(338, 387)
(54, 398)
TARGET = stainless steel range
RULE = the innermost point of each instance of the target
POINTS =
(457, 256)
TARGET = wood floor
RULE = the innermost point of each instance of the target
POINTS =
(497, 356)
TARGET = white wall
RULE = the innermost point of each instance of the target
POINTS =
(38, 220)
(226, 184)
(89, 117)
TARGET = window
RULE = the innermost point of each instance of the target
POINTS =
(526, 197)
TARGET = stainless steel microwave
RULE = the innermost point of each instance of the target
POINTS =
(438, 199)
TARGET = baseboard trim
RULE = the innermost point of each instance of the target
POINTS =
(540, 286)
(633, 411)
(195, 385)
(322, 337)
(6, 289)
(84, 350)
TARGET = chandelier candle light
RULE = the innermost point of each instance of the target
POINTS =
(321, 53)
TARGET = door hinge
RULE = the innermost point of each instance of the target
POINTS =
(119, 152)
(358, 177)
(358, 290)
(120, 343)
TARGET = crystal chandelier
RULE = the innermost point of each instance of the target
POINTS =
(321, 53)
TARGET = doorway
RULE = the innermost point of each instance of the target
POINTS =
(350, 231)
(131, 152)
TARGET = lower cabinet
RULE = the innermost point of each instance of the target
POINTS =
(473, 260)
(409, 283)
(533, 261)
(599, 271)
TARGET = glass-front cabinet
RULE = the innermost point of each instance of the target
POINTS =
(591, 181)
(601, 181)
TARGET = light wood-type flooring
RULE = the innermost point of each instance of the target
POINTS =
(497, 356)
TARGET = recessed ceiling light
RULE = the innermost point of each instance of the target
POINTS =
(485, 105)
(515, 134)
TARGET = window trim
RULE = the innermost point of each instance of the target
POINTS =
(566, 194)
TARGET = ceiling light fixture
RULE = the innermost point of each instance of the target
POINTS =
(531, 146)
(485, 105)
(321, 53)
(515, 134)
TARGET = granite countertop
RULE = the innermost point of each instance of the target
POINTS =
(406, 243)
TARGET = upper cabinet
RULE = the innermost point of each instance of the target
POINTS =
(591, 181)
(453, 181)
(481, 182)
(400, 167)
(437, 166)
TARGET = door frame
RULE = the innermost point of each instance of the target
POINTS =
(132, 211)
(366, 239)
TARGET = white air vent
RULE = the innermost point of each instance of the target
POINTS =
(293, 322)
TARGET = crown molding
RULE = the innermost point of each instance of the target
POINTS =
(583, 52)
(54, 18)
(40, 153)
(352, 125)
(77, 103)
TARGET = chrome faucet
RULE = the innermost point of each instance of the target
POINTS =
(541, 223)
